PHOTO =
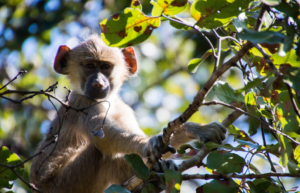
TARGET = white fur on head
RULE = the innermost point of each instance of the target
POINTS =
(95, 48)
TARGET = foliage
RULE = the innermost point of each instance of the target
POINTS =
(264, 79)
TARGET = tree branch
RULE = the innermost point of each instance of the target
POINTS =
(244, 112)
(12, 168)
(20, 73)
(132, 183)
(229, 176)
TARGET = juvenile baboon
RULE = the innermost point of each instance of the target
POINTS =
(81, 161)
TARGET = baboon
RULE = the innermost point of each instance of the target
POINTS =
(82, 161)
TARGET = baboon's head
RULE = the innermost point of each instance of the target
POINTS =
(94, 69)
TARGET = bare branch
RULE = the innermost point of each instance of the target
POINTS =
(244, 112)
(242, 176)
(20, 73)
(12, 168)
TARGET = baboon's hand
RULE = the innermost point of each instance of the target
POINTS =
(163, 165)
(155, 148)
(213, 131)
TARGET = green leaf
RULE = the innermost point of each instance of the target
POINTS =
(173, 181)
(157, 9)
(145, 190)
(297, 154)
(226, 93)
(250, 101)
(151, 187)
(251, 84)
(288, 118)
(128, 28)
(254, 169)
(290, 58)
(138, 166)
(187, 21)
(286, 150)
(116, 189)
(292, 77)
(273, 149)
(225, 162)
(6, 174)
(194, 145)
(211, 145)
(248, 143)
(240, 23)
(4, 154)
(136, 4)
(266, 113)
(263, 185)
(255, 37)
(215, 13)
(172, 7)
(224, 186)
(195, 63)
(293, 167)
(271, 2)
(239, 134)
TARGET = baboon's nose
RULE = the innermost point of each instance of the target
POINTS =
(97, 84)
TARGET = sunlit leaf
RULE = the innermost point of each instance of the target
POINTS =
(128, 28)
(250, 101)
(290, 58)
(6, 174)
(172, 7)
(287, 117)
(286, 150)
(271, 2)
(215, 13)
(136, 4)
(239, 134)
(195, 63)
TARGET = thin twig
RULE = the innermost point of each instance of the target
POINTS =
(269, 158)
(292, 100)
(234, 175)
(244, 112)
(195, 28)
(12, 168)
(217, 61)
(20, 73)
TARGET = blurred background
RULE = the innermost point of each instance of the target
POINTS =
(31, 32)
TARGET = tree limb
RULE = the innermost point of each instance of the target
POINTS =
(229, 176)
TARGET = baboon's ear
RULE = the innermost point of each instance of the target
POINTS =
(60, 63)
(130, 59)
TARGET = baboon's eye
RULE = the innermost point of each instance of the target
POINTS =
(105, 66)
(89, 66)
